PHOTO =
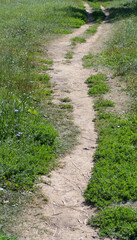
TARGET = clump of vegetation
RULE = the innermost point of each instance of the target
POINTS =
(116, 222)
(66, 99)
(88, 60)
(91, 31)
(66, 106)
(78, 40)
(3, 236)
(97, 84)
(69, 55)
(103, 103)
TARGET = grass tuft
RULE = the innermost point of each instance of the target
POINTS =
(97, 85)
(66, 99)
(78, 40)
(103, 103)
(88, 60)
(69, 55)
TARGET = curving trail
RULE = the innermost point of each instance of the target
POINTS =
(66, 214)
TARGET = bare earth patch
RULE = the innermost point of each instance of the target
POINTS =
(65, 215)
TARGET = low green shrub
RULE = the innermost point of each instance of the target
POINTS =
(116, 222)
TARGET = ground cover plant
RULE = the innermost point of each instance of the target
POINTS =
(119, 222)
(112, 187)
(29, 145)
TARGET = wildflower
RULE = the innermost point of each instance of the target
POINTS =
(19, 134)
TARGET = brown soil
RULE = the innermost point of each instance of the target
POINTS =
(65, 215)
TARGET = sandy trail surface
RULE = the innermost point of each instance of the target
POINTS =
(65, 215)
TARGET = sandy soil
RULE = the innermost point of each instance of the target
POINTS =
(65, 215)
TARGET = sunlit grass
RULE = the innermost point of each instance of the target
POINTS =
(113, 182)
(29, 142)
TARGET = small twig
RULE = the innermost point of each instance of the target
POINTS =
(79, 221)
(55, 214)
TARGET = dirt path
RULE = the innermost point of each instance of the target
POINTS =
(65, 215)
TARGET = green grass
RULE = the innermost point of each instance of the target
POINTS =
(29, 143)
(78, 40)
(113, 183)
(24, 27)
(66, 106)
(115, 170)
(103, 103)
(117, 222)
(88, 60)
(91, 31)
(49, 62)
(97, 15)
(3, 236)
(97, 84)
(30, 140)
(69, 55)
